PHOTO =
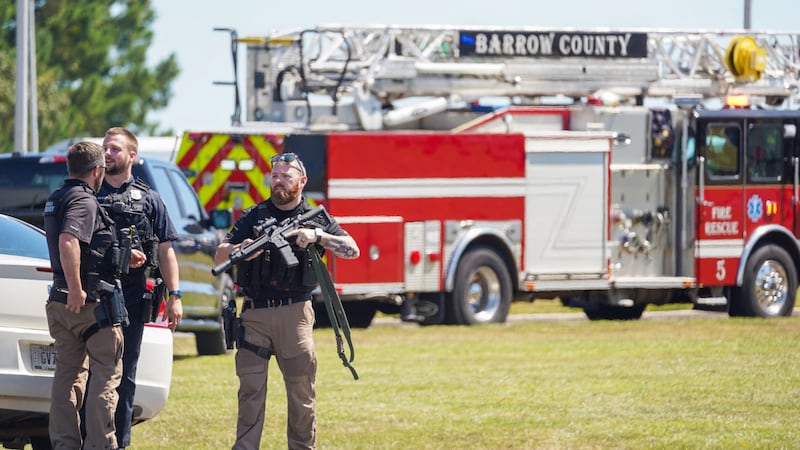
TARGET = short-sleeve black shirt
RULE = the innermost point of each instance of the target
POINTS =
(73, 209)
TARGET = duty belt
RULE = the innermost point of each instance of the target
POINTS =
(59, 295)
(271, 303)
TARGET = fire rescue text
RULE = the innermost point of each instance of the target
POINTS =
(721, 223)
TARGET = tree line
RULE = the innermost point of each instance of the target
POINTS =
(92, 73)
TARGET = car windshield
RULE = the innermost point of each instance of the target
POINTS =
(20, 239)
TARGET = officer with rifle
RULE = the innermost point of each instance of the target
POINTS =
(277, 316)
(85, 307)
(139, 210)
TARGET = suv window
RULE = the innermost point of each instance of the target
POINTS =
(43, 173)
(25, 184)
(181, 201)
(161, 178)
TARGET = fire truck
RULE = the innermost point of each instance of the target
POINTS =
(478, 166)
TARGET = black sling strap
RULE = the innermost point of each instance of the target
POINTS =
(333, 304)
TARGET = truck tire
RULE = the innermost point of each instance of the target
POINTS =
(769, 285)
(482, 291)
(359, 314)
(212, 342)
(600, 311)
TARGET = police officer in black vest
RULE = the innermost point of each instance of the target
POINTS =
(277, 316)
(133, 205)
(80, 238)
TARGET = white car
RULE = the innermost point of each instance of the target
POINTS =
(27, 358)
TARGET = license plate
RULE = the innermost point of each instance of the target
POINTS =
(43, 357)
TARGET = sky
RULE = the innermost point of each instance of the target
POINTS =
(185, 28)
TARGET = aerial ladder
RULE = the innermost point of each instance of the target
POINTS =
(376, 68)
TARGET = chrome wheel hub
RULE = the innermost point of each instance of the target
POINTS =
(484, 293)
(771, 286)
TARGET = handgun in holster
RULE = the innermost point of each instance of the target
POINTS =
(112, 309)
(232, 324)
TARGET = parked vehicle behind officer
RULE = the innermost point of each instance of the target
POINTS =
(27, 358)
(27, 180)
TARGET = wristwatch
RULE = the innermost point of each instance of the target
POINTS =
(318, 233)
(176, 293)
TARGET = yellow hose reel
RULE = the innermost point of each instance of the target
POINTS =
(745, 59)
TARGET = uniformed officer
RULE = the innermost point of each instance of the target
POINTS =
(79, 235)
(142, 208)
(277, 316)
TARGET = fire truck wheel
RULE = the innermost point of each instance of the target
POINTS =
(769, 286)
(482, 291)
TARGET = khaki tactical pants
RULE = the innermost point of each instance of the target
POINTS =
(287, 331)
(102, 353)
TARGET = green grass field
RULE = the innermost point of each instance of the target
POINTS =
(702, 383)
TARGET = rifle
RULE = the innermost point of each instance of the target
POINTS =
(271, 233)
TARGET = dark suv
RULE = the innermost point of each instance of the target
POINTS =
(27, 180)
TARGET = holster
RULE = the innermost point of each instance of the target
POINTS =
(152, 300)
(232, 325)
(112, 309)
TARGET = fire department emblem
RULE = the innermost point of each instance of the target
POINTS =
(755, 208)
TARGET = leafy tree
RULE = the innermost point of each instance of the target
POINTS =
(91, 69)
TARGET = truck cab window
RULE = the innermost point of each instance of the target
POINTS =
(765, 153)
(722, 151)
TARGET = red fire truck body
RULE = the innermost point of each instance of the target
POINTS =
(459, 210)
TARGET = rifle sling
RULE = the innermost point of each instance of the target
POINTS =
(333, 304)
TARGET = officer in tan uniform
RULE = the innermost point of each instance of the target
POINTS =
(277, 314)
(80, 237)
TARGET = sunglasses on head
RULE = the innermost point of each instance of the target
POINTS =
(289, 158)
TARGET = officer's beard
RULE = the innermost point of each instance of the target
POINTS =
(116, 169)
(286, 195)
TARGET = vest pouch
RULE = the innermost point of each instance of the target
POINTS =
(278, 271)
(150, 249)
(244, 273)
(91, 287)
(309, 275)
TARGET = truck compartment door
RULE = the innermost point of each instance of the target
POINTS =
(380, 240)
(566, 205)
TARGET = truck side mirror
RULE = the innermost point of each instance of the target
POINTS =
(221, 219)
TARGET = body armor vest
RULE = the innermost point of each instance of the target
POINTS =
(96, 260)
(127, 208)
(268, 276)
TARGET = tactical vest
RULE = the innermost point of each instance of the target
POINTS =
(127, 208)
(268, 276)
(96, 260)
